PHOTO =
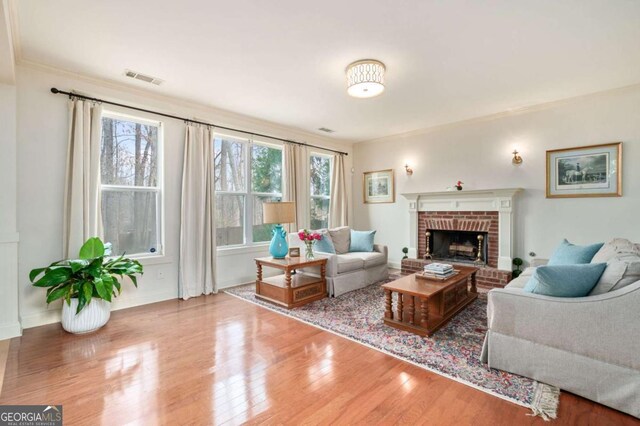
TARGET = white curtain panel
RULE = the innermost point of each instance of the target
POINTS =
(338, 205)
(82, 216)
(197, 224)
(296, 183)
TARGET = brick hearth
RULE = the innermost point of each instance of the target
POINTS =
(487, 277)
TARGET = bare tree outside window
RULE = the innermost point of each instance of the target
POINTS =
(130, 187)
(320, 180)
(230, 184)
(246, 176)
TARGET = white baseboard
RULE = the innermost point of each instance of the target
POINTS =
(7, 331)
(394, 265)
(236, 282)
(53, 314)
(49, 316)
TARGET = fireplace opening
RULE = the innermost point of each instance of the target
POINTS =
(458, 246)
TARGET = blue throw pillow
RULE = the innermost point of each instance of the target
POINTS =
(570, 254)
(565, 280)
(325, 245)
(362, 241)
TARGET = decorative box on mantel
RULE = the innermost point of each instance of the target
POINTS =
(468, 213)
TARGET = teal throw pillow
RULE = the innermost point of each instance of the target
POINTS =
(565, 280)
(570, 254)
(361, 241)
(325, 245)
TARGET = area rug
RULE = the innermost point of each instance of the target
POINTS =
(453, 351)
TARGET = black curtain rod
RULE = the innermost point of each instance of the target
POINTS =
(189, 120)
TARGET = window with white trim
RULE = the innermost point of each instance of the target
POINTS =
(247, 174)
(131, 184)
(320, 190)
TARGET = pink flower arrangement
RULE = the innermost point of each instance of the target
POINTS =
(459, 185)
(305, 235)
(309, 239)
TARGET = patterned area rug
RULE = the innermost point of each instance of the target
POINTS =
(453, 351)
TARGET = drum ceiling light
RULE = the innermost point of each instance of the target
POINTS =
(365, 78)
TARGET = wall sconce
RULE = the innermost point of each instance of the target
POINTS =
(517, 159)
(408, 169)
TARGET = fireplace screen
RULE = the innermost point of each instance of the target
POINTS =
(457, 246)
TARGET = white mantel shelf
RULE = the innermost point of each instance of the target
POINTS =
(501, 192)
(498, 200)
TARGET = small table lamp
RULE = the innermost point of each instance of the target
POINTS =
(279, 213)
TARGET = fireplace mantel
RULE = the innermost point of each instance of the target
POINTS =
(495, 200)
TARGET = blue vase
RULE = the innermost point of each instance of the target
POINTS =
(279, 247)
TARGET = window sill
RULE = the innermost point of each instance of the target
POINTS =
(153, 260)
(231, 251)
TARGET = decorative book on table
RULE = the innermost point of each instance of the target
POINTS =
(438, 271)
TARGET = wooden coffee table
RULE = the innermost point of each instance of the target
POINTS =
(291, 289)
(423, 306)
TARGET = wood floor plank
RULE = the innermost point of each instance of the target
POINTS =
(220, 360)
(4, 354)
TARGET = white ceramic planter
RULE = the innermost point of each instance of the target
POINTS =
(92, 317)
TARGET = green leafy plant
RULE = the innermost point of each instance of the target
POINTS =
(92, 275)
(518, 262)
(405, 250)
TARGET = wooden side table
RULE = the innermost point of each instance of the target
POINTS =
(291, 290)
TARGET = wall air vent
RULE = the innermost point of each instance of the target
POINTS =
(324, 129)
(143, 77)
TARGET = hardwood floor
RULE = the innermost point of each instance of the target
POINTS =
(221, 360)
(4, 351)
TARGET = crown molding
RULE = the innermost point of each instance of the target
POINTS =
(204, 112)
(502, 114)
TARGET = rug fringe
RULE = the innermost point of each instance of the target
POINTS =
(545, 402)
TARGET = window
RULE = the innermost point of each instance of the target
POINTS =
(130, 184)
(246, 175)
(320, 179)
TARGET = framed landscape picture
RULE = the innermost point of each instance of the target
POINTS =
(588, 171)
(378, 187)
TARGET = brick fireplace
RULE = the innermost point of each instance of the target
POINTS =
(454, 220)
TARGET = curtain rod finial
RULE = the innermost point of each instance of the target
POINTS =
(54, 90)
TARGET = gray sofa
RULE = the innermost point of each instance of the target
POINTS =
(351, 270)
(589, 346)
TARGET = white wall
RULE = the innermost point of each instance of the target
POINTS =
(42, 136)
(479, 154)
(9, 325)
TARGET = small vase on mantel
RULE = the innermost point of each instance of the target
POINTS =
(459, 185)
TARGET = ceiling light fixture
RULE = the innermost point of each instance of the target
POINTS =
(365, 78)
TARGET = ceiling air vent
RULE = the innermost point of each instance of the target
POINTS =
(143, 77)
(324, 129)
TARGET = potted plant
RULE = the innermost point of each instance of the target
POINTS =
(405, 250)
(86, 284)
(516, 272)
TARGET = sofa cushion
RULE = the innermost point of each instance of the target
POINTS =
(565, 280)
(341, 238)
(325, 245)
(519, 282)
(615, 247)
(348, 263)
(571, 254)
(361, 241)
(370, 259)
(622, 270)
